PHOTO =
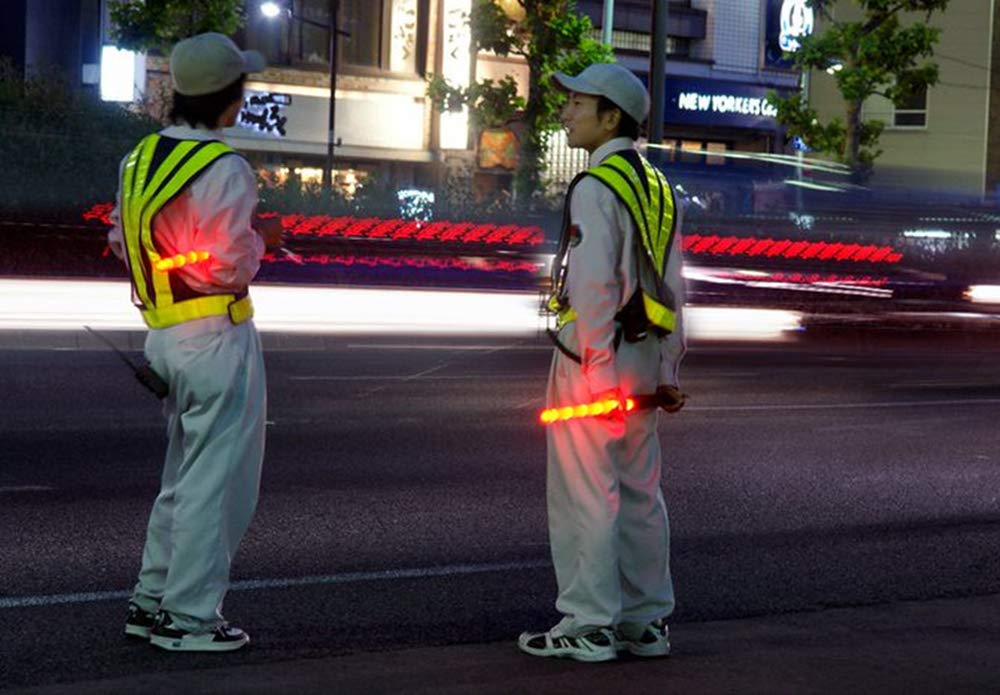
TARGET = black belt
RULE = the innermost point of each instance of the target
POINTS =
(554, 337)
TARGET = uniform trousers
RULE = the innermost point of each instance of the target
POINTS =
(608, 526)
(215, 414)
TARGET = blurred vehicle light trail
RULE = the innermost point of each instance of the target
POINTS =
(983, 294)
(69, 304)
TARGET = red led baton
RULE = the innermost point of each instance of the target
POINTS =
(597, 408)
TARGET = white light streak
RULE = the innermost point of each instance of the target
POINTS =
(983, 294)
(814, 186)
(927, 234)
(733, 323)
(105, 305)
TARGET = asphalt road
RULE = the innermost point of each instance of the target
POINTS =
(403, 494)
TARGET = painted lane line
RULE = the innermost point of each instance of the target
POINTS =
(315, 580)
(413, 377)
(26, 488)
(398, 346)
(61, 599)
(842, 406)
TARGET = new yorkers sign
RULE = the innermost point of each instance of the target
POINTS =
(718, 103)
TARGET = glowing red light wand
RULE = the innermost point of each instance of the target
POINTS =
(670, 399)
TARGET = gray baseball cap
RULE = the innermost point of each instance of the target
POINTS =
(613, 81)
(206, 63)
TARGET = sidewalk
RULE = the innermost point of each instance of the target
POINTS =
(943, 646)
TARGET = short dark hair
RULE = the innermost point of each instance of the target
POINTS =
(206, 109)
(628, 127)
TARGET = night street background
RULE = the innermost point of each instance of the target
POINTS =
(403, 499)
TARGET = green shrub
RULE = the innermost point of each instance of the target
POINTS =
(61, 146)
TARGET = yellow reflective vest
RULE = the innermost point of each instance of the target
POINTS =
(156, 172)
(646, 194)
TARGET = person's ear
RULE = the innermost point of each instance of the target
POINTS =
(612, 118)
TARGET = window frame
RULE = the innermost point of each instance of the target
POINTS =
(889, 116)
(290, 59)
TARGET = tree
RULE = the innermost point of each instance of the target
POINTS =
(551, 36)
(875, 55)
(144, 25)
(61, 146)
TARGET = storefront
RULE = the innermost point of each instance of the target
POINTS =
(704, 118)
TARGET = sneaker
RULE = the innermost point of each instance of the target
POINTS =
(596, 645)
(166, 635)
(654, 640)
(138, 623)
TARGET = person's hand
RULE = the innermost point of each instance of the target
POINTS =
(270, 228)
(671, 398)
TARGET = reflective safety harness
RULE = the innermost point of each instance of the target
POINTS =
(156, 172)
(646, 194)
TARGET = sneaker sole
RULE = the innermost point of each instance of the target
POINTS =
(588, 657)
(137, 632)
(173, 644)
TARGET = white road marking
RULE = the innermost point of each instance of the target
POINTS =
(398, 346)
(264, 584)
(25, 488)
(940, 385)
(843, 406)
(412, 377)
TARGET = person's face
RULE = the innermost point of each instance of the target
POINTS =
(584, 126)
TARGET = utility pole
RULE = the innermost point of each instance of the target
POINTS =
(609, 21)
(332, 119)
(657, 71)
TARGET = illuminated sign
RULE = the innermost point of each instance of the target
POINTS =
(787, 22)
(719, 103)
(118, 74)
(725, 103)
(796, 21)
(264, 112)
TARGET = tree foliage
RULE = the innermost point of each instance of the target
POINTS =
(145, 25)
(551, 37)
(61, 146)
(877, 55)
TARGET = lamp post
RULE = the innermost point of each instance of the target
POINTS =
(608, 24)
(271, 10)
(657, 70)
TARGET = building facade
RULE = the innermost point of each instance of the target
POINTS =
(64, 35)
(720, 66)
(946, 138)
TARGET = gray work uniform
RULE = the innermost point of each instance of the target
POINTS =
(216, 407)
(608, 524)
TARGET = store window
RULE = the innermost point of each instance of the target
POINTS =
(382, 35)
(696, 151)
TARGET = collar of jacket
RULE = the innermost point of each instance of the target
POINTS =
(609, 148)
(186, 132)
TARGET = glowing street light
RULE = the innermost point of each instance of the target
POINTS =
(271, 10)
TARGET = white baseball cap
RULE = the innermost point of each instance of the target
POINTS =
(206, 63)
(613, 81)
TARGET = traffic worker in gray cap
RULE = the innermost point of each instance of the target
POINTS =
(618, 295)
(183, 226)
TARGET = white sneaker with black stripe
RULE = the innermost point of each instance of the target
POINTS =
(596, 645)
(166, 635)
(139, 623)
(649, 640)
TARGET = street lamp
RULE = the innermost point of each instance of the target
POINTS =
(272, 10)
